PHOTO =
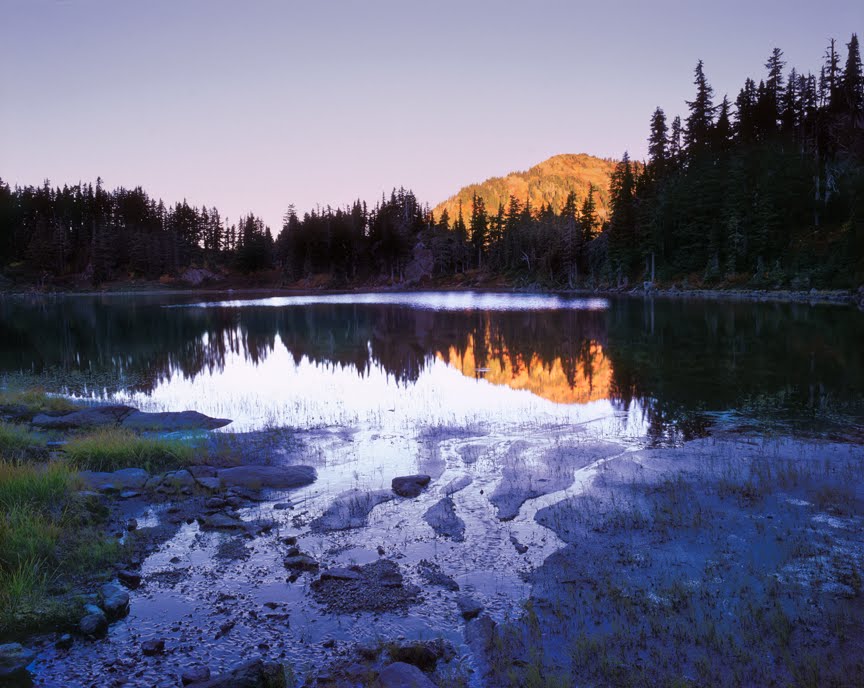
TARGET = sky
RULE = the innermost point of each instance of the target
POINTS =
(250, 106)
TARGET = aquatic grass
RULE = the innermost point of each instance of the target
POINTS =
(111, 449)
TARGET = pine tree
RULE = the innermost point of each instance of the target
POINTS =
(479, 228)
(700, 121)
(658, 144)
(852, 83)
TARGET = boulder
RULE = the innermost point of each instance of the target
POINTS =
(95, 623)
(442, 518)
(172, 421)
(93, 417)
(220, 521)
(402, 675)
(423, 654)
(129, 578)
(300, 562)
(410, 485)
(272, 477)
(14, 659)
(126, 479)
(349, 510)
(340, 573)
(254, 674)
(115, 601)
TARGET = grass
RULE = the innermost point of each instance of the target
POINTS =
(111, 449)
(35, 399)
(17, 441)
(47, 533)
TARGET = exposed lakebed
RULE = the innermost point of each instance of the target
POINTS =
(574, 449)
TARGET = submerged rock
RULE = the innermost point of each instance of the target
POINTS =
(220, 521)
(14, 659)
(402, 675)
(272, 477)
(443, 520)
(350, 509)
(171, 421)
(410, 485)
(423, 654)
(378, 587)
(254, 674)
(469, 608)
(300, 562)
(153, 647)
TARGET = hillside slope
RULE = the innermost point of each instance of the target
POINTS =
(548, 182)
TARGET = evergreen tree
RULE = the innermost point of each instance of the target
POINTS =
(700, 121)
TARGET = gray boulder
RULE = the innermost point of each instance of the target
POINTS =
(170, 421)
(95, 623)
(14, 659)
(272, 477)
(442, 518)
(469, 608)
(254, 674)
(115, 601)
(126, 479)
(402, 675)
(220, 521)
(410, 485)
(423, 654)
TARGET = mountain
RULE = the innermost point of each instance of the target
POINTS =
(548, 182)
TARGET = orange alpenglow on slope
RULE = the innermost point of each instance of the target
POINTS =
(591, 381)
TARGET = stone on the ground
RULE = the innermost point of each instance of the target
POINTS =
(126, 479)
(272, 477)
(469, 608)
(254, 674)
(402, 675)
(379, 587)
(410, 485)
(153, 647)
(129, 578)
(64, 642)
(94, 624)
(219, 521)
(115, 601)
(301, 562)
(172, 421)
(340, 573)
(14, 659)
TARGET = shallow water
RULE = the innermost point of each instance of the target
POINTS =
(524, 394)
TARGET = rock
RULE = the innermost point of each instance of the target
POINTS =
(301, 562)
(129, 578)
(273, 477)
(432, 574)
(95, 623)
(153, 647)
(350, 509)
(456, 485)
(518, 545)
(126, 479)
(178, 480)
(421, 265)
(115, 601)
(443, 520)
(340, 573)
(195, 675)
(211, 484)
(410, 485)
(14, 659)
(64, 642)
(380, 587)
(96, 416)
(281, 506)
(480, 634)
(130, 494)
(401, 675)
(220, 521)
(423, 654)
(197, 276)
(172, 421)
(469, 608)
(132, 524)
(254, 674)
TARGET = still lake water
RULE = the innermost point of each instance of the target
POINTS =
(508, 401)
(647, 370)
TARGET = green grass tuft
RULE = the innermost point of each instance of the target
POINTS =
(114, 448)
(17, 441)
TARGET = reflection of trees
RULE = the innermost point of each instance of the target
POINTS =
(674, 358)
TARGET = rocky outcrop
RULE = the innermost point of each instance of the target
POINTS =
(128, 417)
(270, 477)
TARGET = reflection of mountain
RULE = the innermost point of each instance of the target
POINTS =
(590, 381)
(676, 358)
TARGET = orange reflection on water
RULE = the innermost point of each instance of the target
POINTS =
(590, 377)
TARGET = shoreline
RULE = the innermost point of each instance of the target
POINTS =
(835, 297)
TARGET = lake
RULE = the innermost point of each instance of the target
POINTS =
(590, 459)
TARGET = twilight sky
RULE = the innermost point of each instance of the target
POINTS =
(250, 106)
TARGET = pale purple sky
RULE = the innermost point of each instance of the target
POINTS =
(250, 106)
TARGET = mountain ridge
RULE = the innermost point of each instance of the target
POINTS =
(549, 181)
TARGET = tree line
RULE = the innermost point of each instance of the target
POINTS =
(768, 190)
